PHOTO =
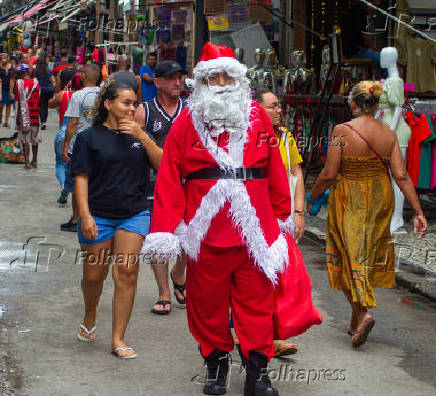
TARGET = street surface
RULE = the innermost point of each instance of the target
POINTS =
(41, 307)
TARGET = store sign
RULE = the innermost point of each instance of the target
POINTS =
(218, 22)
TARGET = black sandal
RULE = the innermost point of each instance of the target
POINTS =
(180, 288)
(163, 303)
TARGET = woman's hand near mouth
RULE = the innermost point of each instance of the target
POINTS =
(130, 127)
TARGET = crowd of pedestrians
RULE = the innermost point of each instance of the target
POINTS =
(142, 163)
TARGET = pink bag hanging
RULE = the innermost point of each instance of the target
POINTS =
(294, 311)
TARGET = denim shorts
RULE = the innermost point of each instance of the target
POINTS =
(138, 224)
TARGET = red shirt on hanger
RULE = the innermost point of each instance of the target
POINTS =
(420, 132)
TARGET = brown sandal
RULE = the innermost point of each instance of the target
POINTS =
(360, 336)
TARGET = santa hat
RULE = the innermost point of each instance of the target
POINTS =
(218, 58)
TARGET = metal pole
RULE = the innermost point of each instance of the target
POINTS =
(200, 29)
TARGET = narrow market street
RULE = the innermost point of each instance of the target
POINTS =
(41, 307)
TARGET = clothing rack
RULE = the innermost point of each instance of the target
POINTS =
(421, 117)
(421, 95)
(425, 106)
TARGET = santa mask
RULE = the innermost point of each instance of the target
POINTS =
(221, 108)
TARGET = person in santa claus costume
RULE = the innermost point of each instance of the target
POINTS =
(222, 196)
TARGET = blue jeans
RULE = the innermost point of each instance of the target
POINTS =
(61, 166)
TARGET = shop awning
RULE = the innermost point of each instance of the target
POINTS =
(29, 10)
(46, 20)
(33, 10)
(11, 14)
(17, 20)
(71, 14)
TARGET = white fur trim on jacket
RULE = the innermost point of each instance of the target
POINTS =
(288, 226)
(224, 63)
(270, 259)
(161, 245)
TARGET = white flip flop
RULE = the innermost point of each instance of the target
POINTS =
(89, 332)
(124, 349)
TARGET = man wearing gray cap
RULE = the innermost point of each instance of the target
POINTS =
(157, 116)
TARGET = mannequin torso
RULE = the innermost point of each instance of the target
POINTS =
(390, 112)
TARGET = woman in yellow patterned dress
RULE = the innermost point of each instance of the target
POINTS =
(360, 252)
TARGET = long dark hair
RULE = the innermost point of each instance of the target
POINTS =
(109, 91)
(41, 66)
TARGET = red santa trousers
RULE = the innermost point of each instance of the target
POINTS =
(225, 277)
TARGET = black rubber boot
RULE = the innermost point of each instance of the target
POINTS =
(257, 382)
(217, 369)
(243, 359)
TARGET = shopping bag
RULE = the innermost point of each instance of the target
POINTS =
(291, 178)
(294, 311)
(292, 186)
(10, 150)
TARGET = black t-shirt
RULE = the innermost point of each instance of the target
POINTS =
(118, 171)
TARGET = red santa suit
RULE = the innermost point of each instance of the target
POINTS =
(232, 230)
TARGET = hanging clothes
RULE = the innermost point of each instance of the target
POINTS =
(425, 166)
(433, 157)
(420, 132)
(420, 57)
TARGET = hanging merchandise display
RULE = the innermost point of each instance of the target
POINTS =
(212, 7)
(421, 153)
(246, 25)
(169, 33)
(421, 137)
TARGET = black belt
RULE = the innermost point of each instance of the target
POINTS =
(238, 174)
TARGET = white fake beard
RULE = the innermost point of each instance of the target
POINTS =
(222, 108)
